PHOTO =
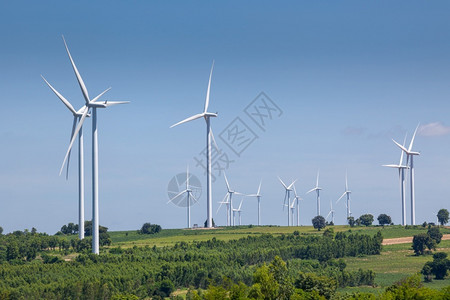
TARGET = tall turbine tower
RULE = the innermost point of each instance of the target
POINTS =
(287, 197)
(178, 199)
(410, 156)
(401, 175)
(331, 212)
(76, 117)
(206, 115)
(297, 198)
(90, 104)
(258, 196)
(317, 189)
(346, 193)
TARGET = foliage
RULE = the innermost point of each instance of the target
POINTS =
(351, 221)
(318, 222)
(366, 219)
(148, 228)
(70, 228)
(410, 288)
(384, 219)
(439, 267)
(435, 234)
(443, 216)
(421, 242)
(1, 230)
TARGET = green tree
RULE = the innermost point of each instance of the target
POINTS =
(148, 228)
(435, 234)
(1, 230)
(351, 221)
(281, 275)
(443, 216)
(439, 266)
(366, 219)
(422, 241)
(265, 284)
(319, 222)
(384, 219)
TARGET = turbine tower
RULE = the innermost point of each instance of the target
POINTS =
(76, 117)
(189, 197)
(401, 175)
(346, 193)
(258, 197)
(317, 189)
(228, 200)
(90, 104)
(410, 157)
(206, 115)
(287, 197)
(331, 212)
(297, 198)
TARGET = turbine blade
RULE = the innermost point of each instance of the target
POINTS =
(71, 134)
(61, 97)
(80, 80)
(346, 182)
(209, 89)
(194, 117)
(226, 181)
(101, 94)
(112, 103)
(187, 176)
(414, 136)
(240, 205)
(290, 186)
(80, 124)
(259, 188)
(311, 190)
(237, 193)
(400, 146)
(341, 197)
(282, 183)
(317, 182)
(177, 195)
(222, 202)
(214, 140)
(401, 155)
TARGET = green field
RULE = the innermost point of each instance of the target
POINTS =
(394, 263)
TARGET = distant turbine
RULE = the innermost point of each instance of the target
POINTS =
(317, 189)
(228, 200)
(331, 212)
(90, 104)
(292, 209)
(287, 197)
(237, 210)
(189, 198)
(346, 193)
(258, 196)
(410, 156)
(401, 174)
(297, 198)
(206, 115)
(76, 116)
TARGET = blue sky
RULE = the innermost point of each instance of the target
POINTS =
(348, 76)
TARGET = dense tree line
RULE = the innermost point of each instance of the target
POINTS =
(145, 271)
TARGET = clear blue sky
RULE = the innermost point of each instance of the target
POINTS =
(348, 76)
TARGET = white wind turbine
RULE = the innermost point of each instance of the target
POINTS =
(76, 117)
(410, 157)
(292, 209)
(238, 210)
(177, 199)
(258, 197)
(206, 115)
(90, 104)
(346, 193)
(297, 198)
(317, 189)
(401, 175)
(228, 200)
(331, 212)
(287, 197)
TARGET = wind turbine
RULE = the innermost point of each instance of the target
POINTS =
(258, 196)
(228, 200)
(292, 209)
(317, 189)
(331, 212)
(410, 157)
(287, 197)
(206, 115)
(238, 210)
(297, 198)
(93, 105)
(76, 117)
(401, 175)
(189, 195)
(346, 193)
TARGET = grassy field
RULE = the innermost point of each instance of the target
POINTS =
(394, 263)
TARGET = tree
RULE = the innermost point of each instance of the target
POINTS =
(366, 219)
(351, 221)
(438, 267)
(148, 228)
(318, 222)
(443, 216)
(435, 234)
(421, 242)
(384, 219)
(1, 230)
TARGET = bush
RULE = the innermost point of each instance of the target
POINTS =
(366, 219)
(148, 228)
(421, 242)
(384, 219)
(435, 234)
